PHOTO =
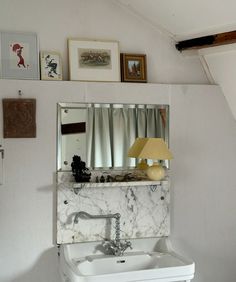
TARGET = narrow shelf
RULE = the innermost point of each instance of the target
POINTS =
(119, 184)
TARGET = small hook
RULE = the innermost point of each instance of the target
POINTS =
(154, 187)
(20, 93)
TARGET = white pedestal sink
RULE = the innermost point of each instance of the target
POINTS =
(150, 260)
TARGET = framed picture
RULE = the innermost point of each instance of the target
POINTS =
(51, 67)
(19, 118)
(19, 55)
(91, 60)
(133, 68)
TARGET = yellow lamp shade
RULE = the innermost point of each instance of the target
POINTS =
(150, 148)
(154, 149)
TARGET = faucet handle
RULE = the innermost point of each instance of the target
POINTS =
(109, 246)
(125, 246)
(116, 248)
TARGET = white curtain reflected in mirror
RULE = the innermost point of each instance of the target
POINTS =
(113, 129)
(124, 132)
(99, 135)
(102, 133)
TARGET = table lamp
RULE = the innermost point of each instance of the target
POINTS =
(154, 149)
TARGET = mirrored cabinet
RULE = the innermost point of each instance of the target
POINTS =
(101, 135)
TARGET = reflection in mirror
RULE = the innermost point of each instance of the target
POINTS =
(102, 133)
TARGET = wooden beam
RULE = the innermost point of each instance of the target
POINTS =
(207, 41)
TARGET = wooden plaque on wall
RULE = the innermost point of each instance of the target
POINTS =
(19, 118)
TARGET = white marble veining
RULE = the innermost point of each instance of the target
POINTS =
(144, 211)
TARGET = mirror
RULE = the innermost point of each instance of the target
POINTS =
(101, 134)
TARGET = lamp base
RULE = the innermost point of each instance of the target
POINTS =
(142, 165)
(155, 172)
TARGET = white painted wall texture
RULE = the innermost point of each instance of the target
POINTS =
(203, 136)
(203, 190)
(203, 139)
(222, 67)
(56, 20)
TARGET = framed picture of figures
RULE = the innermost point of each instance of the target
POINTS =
(133, 67)
(19, 55)
(92, 60)
(50, 65)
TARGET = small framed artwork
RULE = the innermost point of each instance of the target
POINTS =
(19, 55)
(133, 68)
(51, 66)
(19, 118)
(91, 60)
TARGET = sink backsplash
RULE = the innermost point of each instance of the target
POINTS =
(144, 211)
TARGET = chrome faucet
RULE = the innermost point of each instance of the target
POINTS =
(114, 247)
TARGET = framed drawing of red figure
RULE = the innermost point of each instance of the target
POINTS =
(19, 55)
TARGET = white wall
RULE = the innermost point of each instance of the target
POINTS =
(221, 63)
(56, 20)
(202, 138)
(203, 225)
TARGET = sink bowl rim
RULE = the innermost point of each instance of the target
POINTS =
(188, 267)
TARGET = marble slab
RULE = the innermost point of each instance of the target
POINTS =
(144, 211)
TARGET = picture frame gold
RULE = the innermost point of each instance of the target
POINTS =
(133, 67)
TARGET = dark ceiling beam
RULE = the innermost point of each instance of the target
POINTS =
(207, 41)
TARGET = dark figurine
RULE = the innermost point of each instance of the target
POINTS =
(109, 178)
(80, 171)
(102, 179)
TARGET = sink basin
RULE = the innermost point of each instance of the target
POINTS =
(106, 264)
(132, 266)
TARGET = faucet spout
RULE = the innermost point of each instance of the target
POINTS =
(85, 215)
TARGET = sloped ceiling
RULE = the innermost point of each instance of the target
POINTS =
(186, 19)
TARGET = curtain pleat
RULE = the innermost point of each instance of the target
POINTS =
(99, 147)
(112, 129)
